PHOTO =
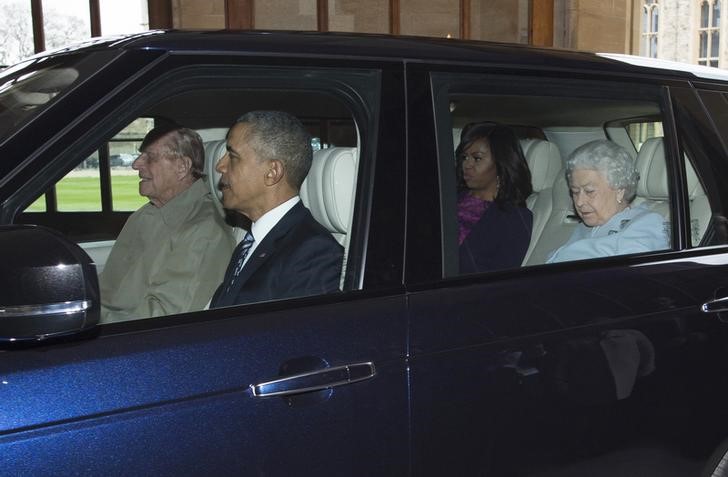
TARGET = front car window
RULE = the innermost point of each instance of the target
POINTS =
(29, 87)
(140, 277)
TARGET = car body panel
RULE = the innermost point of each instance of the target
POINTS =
(179, 397)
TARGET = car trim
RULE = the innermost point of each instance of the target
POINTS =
(66, 307)
(315, 380)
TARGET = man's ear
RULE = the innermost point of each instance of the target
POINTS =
(183, 167)
(274, 173)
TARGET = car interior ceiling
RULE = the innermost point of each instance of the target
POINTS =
(220, 108)
(546, 111)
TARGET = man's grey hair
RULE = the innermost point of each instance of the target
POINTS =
(276, 135)
(182, 142)
(611, 160)
(187, 142)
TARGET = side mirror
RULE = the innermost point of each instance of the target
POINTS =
(48, 285)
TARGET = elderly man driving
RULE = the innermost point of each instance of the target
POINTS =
(603, 181)
(171, 253)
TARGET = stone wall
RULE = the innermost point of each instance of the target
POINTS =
(593, 25)
(371, 16)
(499, 20)
(677, 36)
(198, 15)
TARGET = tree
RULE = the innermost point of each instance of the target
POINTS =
(16, 30)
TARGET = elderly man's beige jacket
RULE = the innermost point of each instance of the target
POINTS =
(167, 260)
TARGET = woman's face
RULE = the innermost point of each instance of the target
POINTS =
(594, 200)
(479, 171)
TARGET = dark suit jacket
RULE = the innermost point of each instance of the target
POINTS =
(498, 240)
(298, 257)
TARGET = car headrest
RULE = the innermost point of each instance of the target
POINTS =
(653, 170)
(214, 150)
(544, 161)
(329, 188)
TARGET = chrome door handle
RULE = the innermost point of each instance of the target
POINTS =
(315, 380)
(715, 306)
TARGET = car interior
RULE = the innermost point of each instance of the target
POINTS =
(550, 128)
(329, 190)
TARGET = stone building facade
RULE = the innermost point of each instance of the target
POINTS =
(689, 31)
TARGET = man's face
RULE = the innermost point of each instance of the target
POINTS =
(243, 175)
(158, 168)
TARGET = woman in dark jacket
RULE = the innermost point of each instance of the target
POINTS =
(494, 182)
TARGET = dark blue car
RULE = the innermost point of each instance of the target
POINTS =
(607, 365)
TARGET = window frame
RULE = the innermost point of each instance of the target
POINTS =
(581, 86)
(357, 87)
(650, 28)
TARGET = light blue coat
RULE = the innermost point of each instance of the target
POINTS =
(633, 230)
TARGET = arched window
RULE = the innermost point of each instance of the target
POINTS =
(650, 25)
(709, 33)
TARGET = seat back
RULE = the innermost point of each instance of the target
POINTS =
(214, 150)
(544, 162)
(329, 191)
(559, 225)
(653, 191)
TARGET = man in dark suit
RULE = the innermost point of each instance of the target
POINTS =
(286, 253)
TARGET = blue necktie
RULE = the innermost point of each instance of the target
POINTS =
(242, 252)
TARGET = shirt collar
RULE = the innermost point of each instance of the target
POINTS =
(178, 209)
(267, 221)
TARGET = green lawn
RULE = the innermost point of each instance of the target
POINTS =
(84, 194)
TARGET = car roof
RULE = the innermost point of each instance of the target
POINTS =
(398, 48)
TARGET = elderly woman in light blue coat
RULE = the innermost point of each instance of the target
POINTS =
(603, 181)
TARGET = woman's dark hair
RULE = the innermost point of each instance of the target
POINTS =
(511, 167)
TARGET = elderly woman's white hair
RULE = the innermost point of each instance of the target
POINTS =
(611, 160)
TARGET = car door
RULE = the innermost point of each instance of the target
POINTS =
(302, 386)
(594, 367)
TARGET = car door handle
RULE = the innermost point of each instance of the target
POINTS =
(715, 306)
(315, 380)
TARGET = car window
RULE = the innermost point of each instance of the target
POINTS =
(640, 131)
(123, 148)
(92, 202)
(515, 205)
(34, 85)
(80, 190)
(702, 144)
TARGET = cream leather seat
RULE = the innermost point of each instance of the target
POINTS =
(559, 225)
(653, 191)
(214, 150)
(544, 162)
(329, 189)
